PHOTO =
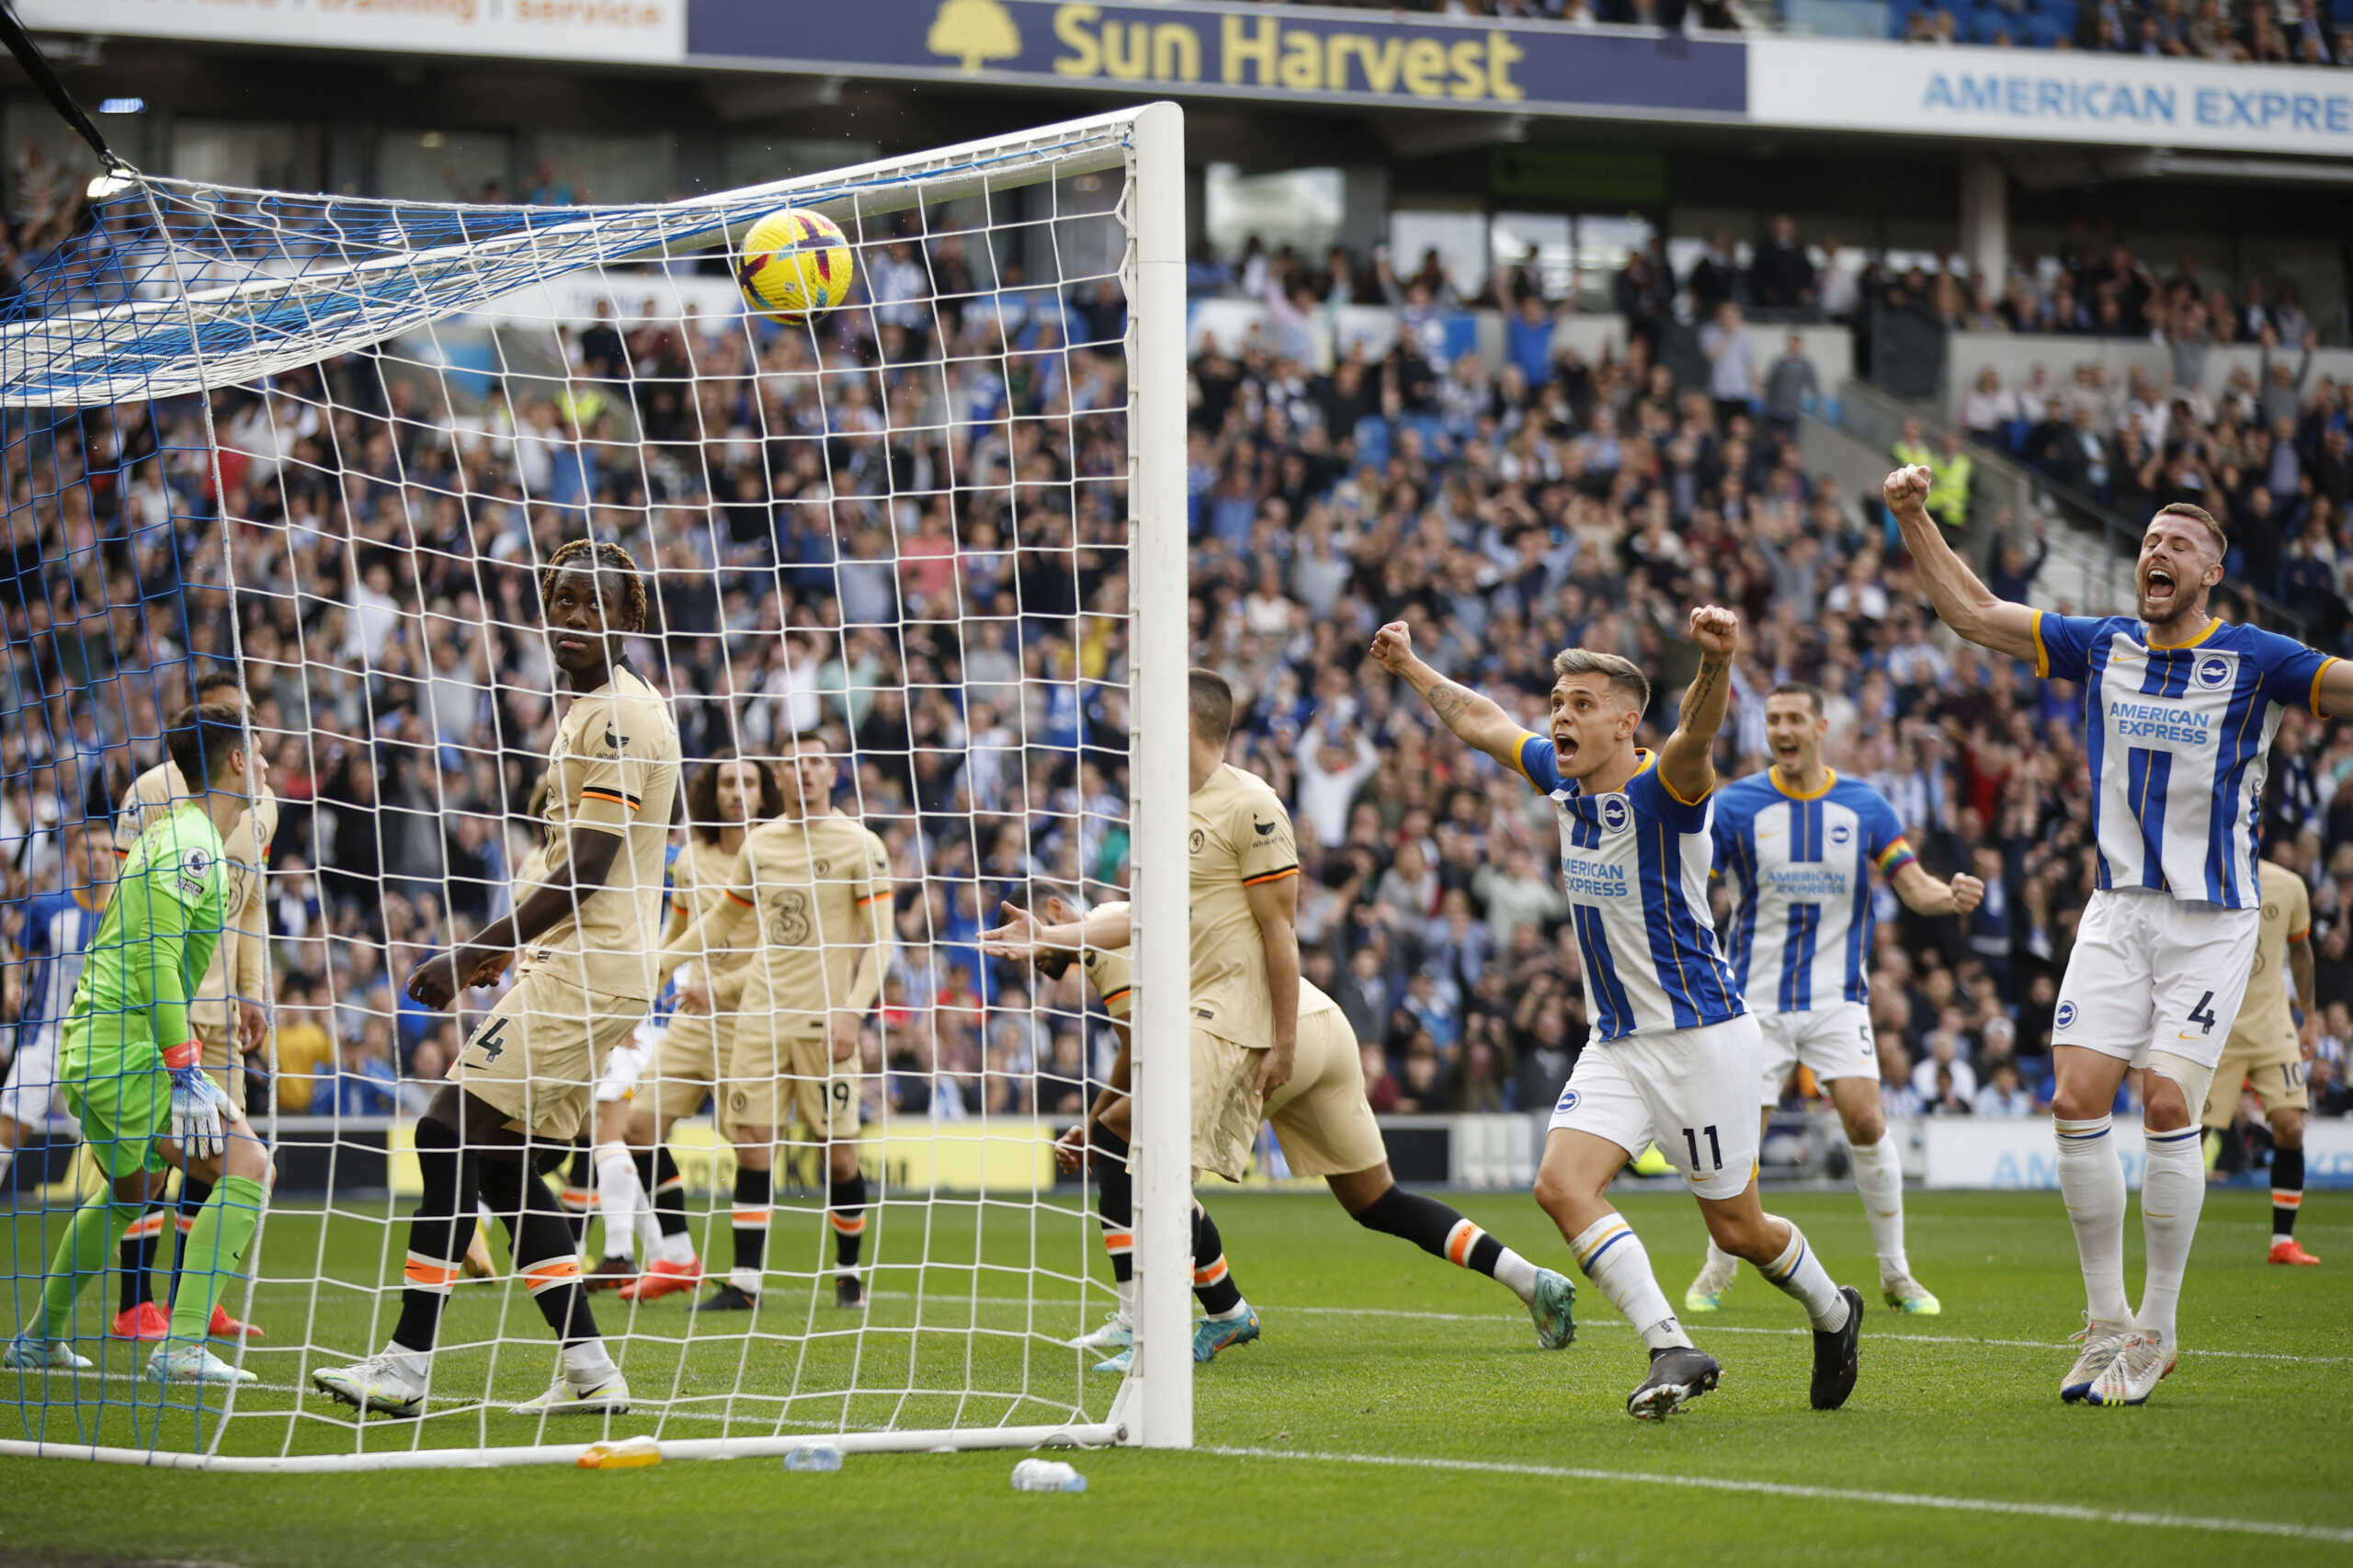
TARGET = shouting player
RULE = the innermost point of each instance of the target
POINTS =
(227, 1012)
(55, 939)
(2267, 1052)
(812, 892)
(1674, 1051)
(131, 1066)
(691, 1059)
(2179, 710)
(583, 942)
(1794, 841)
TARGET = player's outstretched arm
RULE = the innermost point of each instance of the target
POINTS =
(587, 862)
(1023, 936)
(1475, 720)
(1962, 601)
(1687, 762)
(1923, 894)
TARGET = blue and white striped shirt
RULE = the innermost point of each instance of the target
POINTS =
(1799, 869)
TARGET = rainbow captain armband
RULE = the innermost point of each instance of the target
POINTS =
(1895, 857)
(186, 1054)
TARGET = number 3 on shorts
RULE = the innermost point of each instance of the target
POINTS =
(2202, 1014)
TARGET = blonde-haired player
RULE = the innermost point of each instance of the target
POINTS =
(2267, 1052)
(582, 939)
(815, 887)
(227, 1012)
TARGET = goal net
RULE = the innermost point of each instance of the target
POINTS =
(932, 538)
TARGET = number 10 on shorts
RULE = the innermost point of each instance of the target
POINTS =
(1715, 1148)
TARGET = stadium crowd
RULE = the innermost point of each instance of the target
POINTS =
(915, 549)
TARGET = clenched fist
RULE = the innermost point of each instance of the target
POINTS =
(1909, 487)
(1392, 647)
(1968, 892)
(1716, 630)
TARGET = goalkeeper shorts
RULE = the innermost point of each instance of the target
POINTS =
(125, 1109)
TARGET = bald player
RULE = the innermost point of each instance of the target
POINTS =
(228, 1012)
(2266, 1051)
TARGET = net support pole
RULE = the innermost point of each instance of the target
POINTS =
(1157, 708)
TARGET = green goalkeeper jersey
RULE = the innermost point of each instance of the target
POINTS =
(161, 926)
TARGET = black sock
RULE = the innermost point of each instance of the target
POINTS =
(846, 1209)
(1434, 1227)
(659, 1171)
(2286, 1190)
(438, 1233)
(546, 1256)
(1115, 1201)
(192, 1196)
(753, 1191)
(139, 1254)
(1213, 1284)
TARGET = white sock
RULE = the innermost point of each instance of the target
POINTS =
(1879, 1177)
(2091, 1182)
(2173, 1190)
(679, 1248)
(1612, 1258)
(745, 1280)
(1517, 1275)
(587, 1363)
(1241, 1308)
(1719, 1268)
(619, 1195)
(1127, 1288)
(414, 1364)
(1798, 1273)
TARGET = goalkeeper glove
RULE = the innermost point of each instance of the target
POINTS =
(199, 1110)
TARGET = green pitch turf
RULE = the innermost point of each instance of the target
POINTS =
(1396, 1411)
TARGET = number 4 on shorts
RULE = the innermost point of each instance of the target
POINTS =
(2202, 1014)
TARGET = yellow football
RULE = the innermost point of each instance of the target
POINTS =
(794, 264)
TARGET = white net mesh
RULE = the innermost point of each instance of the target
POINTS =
(896, 539)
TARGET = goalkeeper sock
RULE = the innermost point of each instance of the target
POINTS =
(90, 1239)
(619, 1197)
(659, 1170)
(845, 1210)
(438, 1233)
(2286, 1192)
(1613, 1259)
(1443, 1232)
(214, 1249)
(1213, 1284)
(546, 1257)
(753, 1190)
(1799, 1273)
(138, 1247)
(193, 1196)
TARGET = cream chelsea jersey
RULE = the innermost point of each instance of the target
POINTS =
(1634, 865)
(2177, 738)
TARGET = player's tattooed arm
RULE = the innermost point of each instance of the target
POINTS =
(1476, 721)
(1962, 601)
(1686, 761)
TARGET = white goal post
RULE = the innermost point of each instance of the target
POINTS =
(208, 391)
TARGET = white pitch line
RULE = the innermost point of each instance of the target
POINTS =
(2072, 1512)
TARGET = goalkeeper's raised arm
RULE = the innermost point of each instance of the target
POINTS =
(1476, 719)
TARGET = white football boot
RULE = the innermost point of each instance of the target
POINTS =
(607, 1395)
(2102, 1343)
(1114, 1333)
(2145, 1361)
(383, 1383)
(29, 1353)
(177, 1361)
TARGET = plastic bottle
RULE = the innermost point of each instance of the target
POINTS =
(1047, 1475)
(813, 1457)
(626, 1453)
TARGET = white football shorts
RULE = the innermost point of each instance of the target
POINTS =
(2155, 973)
(1834, 1042)
(1692, 1092)
(32, 1094)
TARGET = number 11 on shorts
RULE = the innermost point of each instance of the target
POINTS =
(1715, 1148)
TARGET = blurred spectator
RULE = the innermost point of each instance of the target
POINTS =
(2005, 1095)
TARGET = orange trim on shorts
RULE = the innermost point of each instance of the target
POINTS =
(1270, 875)
(1203, 1277)
(846, 1224)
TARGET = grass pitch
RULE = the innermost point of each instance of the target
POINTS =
(1396, 1411)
